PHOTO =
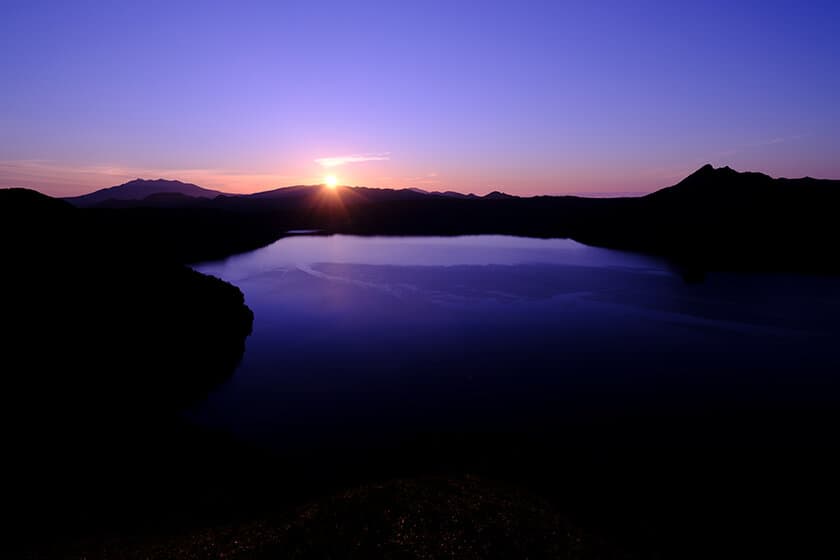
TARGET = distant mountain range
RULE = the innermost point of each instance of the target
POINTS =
(163, 192)
(714, 219)
(705, 183)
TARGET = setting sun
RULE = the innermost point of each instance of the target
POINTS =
(331, 181)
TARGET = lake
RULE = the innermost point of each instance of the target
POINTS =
(378, 343)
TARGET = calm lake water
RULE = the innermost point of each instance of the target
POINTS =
(375, 341)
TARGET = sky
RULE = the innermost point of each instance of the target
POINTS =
(527, 97)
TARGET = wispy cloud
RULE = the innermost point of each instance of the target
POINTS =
(761, 144)
(335, 161)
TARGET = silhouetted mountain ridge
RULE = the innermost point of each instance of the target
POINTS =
(140, 189)
(142, 192)
(705, 181)
(714, 218)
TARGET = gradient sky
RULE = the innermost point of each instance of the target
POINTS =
(526, 97)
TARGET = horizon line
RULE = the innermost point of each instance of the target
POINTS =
(440, 190)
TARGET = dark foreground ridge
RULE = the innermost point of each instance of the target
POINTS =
(715, 219)
(103, 345)
(86, 303)
(426, 517)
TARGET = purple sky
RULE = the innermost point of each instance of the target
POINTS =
(525, 97)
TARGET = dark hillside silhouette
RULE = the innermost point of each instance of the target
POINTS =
(102, 325)
(102, 347)
(721, 219)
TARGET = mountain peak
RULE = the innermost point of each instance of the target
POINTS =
(710, 183)
(140, 189)
(709, 172)
(498, 195)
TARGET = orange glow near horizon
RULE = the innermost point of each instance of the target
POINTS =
(331, 181)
